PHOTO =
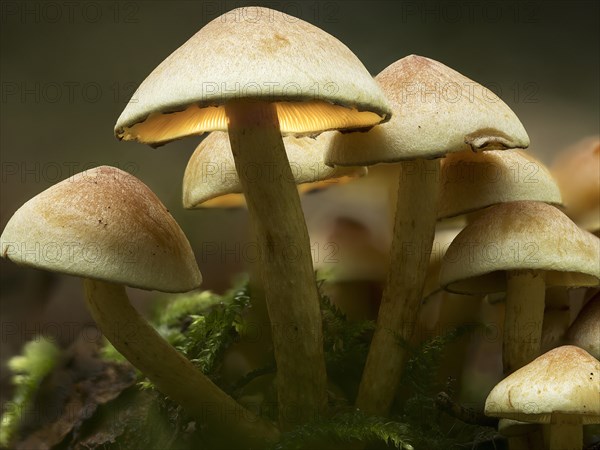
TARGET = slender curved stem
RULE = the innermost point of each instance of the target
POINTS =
(169, 370)
(414, 230)
(285, 260)
(525, 293)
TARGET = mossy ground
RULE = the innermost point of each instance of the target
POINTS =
(210, 330)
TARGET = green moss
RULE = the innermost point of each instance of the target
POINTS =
(202, 325)
(29, 370)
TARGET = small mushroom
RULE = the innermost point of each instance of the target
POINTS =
(521, 248)
(577, 171)
(436, 111)
(211, 181)
(107, 227)
(474, 181)
(585, 330)
(559, 389)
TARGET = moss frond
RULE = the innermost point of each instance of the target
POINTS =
(29, 369)
(348, 427)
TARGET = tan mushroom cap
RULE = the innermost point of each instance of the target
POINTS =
(103, 224)
(585, 330)
(577, 171)
(565, 380)
(254, 53)
(473, 181)
(441, 242)
(520, 236)
(211, 179)
(436, 111)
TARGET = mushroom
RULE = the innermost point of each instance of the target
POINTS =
(577, 171)
(257, 73)
(210, 179)
(521, 248)
(471, 181)
(107, 227)
(436, 111)
(585, 330)
(559, 389)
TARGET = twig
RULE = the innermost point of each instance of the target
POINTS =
(462, 413)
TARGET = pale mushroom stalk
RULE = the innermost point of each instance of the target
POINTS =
(285, 259)
(563, 435)
(525, 294)
(169, 370)
(412, 242)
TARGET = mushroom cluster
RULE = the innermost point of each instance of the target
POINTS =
(290, 109)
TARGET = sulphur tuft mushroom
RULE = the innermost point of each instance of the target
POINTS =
(585, 330)
(559, 389)
(210, 179)
(577, 171)
(473, 181)
(436, 111)
(257, 73)
(521, 248)
(107, 227)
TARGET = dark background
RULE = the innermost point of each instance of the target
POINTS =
(68, 68)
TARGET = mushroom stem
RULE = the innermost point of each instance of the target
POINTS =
(169, 370)
(525, 293)
(563, 436)
(412, 242)
(285, 259)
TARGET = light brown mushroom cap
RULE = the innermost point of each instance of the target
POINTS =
(441, 242)
(585, 330)
(520, 236)
(211, 178)
(577, 171)
(565, 380)
(103, 224)
(254, 53)
(473, 181)
(436, 111)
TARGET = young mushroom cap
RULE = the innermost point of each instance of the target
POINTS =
(577, 171)
(520, 236)
(103, 224)
(317, 83)
(211, 180)
(585, 330)
(436, 111)
(563, 381)
(473, 181)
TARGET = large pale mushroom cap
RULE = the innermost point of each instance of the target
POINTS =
(473, 181)
(436, 111)
(104, 224)
(254, 53)
(211, 179)
(565, 380)
(577, 171)
(520, 236)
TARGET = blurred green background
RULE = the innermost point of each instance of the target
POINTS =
(68, 68)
